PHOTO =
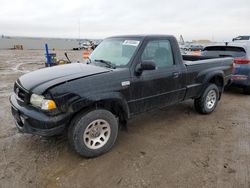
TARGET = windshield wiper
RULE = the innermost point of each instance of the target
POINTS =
(110, 65)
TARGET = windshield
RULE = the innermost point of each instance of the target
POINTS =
(117, 51)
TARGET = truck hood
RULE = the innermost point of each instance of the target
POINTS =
(40, 80)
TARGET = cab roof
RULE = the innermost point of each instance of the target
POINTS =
(143, 36)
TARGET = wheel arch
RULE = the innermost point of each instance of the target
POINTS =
(113, 102)
(218, 80)
(214, 77)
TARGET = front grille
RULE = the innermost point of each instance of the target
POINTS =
(22, 94)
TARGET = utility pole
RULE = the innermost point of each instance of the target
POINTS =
(79, 29)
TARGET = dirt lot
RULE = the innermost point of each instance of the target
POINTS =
(171, 147)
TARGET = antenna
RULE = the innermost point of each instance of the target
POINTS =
(79, 29)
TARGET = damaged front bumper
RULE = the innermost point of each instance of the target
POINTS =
(32, 121)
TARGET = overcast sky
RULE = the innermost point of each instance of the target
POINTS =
(211, 19)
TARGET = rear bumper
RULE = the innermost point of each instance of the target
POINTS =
(32, 121)
(240, 80)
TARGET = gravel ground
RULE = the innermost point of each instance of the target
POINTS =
(170, 147)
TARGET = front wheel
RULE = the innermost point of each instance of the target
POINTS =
(93, 133)
(208, 100)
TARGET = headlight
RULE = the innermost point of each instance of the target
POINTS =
(41, 102)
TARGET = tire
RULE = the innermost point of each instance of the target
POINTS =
(247, 90)
(93, 133)
(208, 100)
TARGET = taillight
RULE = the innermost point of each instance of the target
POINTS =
(242, 61)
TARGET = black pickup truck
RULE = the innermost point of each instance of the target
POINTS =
(125, 75)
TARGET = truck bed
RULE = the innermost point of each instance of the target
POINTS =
(190, 60)
(195, 58)
(199, 65)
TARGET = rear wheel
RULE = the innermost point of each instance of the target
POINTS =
(208, 101)
(93, 133)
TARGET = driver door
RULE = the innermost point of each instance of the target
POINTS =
(159, 87)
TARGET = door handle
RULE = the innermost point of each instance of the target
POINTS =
(176, 74)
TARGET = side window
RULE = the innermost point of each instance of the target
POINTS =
(160, 52)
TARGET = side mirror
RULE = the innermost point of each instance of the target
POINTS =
(145, 65)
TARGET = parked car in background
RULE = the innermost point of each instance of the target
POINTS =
(193, 47)
(196, 47)
(88, 44)
(242, 38)
(241, 54)
(183, 52)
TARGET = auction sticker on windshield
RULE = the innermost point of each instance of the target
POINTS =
(131, 42)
